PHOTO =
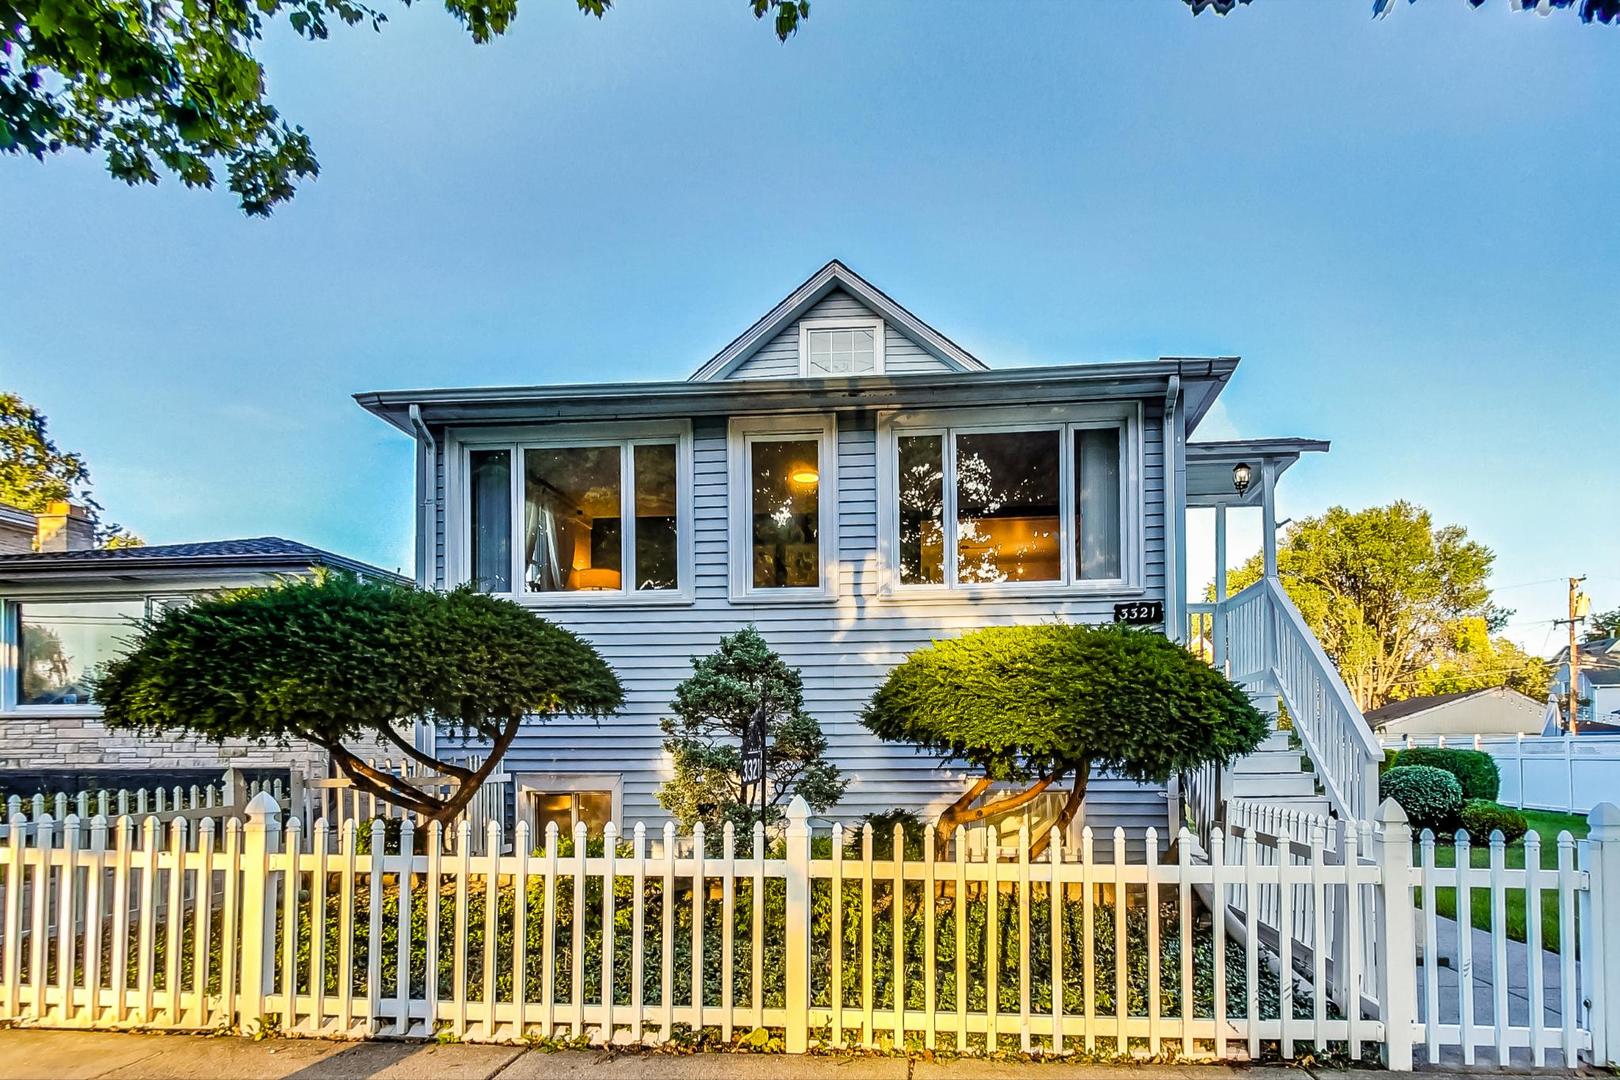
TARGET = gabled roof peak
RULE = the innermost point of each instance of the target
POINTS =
(835, 275)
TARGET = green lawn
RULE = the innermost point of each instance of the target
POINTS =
(1545, 825)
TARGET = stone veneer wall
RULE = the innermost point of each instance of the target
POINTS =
(82, 742)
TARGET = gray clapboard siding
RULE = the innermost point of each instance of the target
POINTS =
(844, 648)
(779, 358)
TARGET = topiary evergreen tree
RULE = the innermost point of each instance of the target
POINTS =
(1038, 705)
(713, 708)
(333, 659)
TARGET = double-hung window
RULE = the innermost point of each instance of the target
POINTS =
(989, 501)
(784, 499)
(580, 513)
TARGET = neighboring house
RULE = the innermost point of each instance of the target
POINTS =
(1495, 710)
(63, 526)
(65, 612)
(847, 479)
(1599, 692)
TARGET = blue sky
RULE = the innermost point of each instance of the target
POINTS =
(1404, 226)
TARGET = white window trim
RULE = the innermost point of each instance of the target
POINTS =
(741, 433)
(458, 510)
(537, 783)
(11, 645)
(854, 323)
(1067, 419)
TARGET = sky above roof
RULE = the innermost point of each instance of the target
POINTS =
(1399, 224)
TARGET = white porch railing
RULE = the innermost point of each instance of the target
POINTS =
(1260, 639)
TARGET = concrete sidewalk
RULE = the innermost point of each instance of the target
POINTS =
(73, 1055)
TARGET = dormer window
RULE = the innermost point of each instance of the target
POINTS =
(834, 347)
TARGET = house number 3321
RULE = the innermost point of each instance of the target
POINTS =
(1139, 613)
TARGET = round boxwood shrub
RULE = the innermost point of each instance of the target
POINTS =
(1431, 797)
(1475, 770)
(1481, 816)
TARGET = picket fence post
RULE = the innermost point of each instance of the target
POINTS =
(261, 838)
(1397, 946)
(1602, 964)
(798, 926)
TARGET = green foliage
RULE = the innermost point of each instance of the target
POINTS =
(34, 471)
(1385, 591)
(1387, 762)
(1604, 11)
(1477, 661)
(332, 658)
(1475, 770)
(713, 707)
(912, 831)
(1603, 624)
(1431, 797)
(1481, 816)
(1021, 702)
(177, 87)
(708, 980)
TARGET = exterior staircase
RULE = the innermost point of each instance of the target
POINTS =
(1326, 763)
(1278, 774)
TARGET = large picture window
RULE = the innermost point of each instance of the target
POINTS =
(62, 646)
(577, 517)
(982, 504)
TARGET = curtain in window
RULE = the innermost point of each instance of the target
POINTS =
(492, 520)
(544, 572)
(1096, 503)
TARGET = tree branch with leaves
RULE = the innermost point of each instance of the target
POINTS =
(35, 472)
(346, 663)
(741, 683)
(1397, 601)
(1034, 707)
(175, 86)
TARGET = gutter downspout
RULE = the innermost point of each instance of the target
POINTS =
(427, 460)
(424, 734)
(1175, 555)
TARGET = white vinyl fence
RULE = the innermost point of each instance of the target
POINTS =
(1564, 773)
(824, 937)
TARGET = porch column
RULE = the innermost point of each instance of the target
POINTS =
(1268, 510)
(1217, 622)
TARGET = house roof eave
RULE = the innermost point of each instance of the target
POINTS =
(608, 401)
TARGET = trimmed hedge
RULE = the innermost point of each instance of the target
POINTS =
(1431, 797)
(1475, 770)
(1480, 817)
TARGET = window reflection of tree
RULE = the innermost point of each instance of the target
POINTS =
(786, 533)
(1011, 481)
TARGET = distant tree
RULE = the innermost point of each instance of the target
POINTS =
(177, 87)
(1604, 11)
(713, 708)
(35, 472)
(346, 663)
(1604, 624)
(1042, 704)
(1477, 661)
(1385, 590)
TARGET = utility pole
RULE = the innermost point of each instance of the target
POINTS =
(1579, 605)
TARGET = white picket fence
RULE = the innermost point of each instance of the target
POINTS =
(334, 800)
(644, 939)
(1569, 774)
